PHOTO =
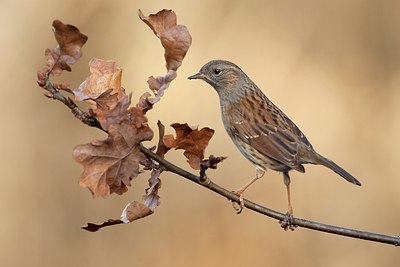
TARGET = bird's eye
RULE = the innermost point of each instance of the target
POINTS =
(217, 71)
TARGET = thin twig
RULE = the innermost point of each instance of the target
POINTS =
(78, 113)
(93, 122)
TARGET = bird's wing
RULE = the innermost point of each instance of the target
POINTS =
(275, 136)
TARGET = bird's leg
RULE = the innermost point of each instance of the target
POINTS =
(286, 180)
(259, 173)
(287, 223)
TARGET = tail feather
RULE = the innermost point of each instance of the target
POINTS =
(334, 167)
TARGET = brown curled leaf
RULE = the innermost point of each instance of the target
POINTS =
(138, 120)
(159, 85)
(162, 149)
(109, 110)
(144, 103)
(93, 227)
(175, 39)
(135, 210)
(132, 211)
(192, 140)
(70, 41)
(110, 164)
(104, 75)
(152, 199)
(176, 42)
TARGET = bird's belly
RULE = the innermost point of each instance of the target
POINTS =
(260, 160)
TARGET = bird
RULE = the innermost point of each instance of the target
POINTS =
(260, 130)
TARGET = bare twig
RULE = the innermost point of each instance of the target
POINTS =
(78, 113)
(93, 122)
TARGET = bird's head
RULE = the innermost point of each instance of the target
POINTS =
(226, 78)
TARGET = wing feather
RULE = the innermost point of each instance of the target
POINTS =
(278, 141)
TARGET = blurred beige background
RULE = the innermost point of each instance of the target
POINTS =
(332, 66)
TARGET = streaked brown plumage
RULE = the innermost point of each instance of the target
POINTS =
(260, 130)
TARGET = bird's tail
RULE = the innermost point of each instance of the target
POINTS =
(334, 167)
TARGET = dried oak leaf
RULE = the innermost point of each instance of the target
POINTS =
(175, 39)
(162, 149)
(139, 120)
(135, 210)
(93, 227)
(132, 211)
(144, 103)
(70, 41)
(159, 85)
(192, 140)
(152, 199)
(105, 75)
(109, 110)
(110, 164)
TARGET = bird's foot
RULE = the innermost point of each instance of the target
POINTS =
(238, 207)
(287, 222)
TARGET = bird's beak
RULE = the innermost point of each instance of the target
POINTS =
(197, 76)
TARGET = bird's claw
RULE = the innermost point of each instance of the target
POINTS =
(287, 222)
(238, 207)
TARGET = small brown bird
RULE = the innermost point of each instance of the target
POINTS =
(260, 130)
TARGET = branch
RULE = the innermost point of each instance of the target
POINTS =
(394, 240)
(205, 182)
